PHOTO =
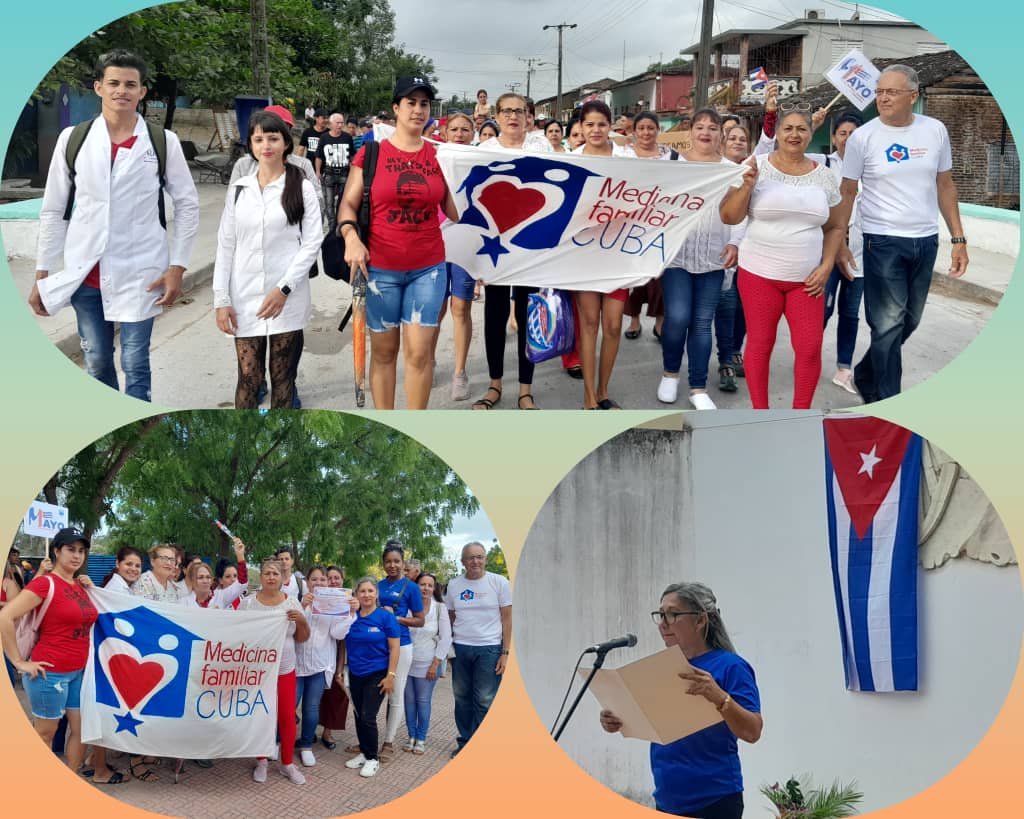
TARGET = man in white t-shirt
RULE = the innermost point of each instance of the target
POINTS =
(480, 606)
(291, 582)
(904, 164)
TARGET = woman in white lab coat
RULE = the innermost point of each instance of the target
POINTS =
(269, 237)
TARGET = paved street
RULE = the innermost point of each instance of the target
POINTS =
(226, 791)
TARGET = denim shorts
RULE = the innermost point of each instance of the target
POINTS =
(395, 297)
(50, 698)
(460, 283)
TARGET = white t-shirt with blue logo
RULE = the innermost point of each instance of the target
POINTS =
(477, 605)
(897, 168)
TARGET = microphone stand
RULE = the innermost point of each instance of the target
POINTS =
(598, 662)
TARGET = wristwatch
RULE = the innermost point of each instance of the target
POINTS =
(504, 651)
(958, 240)
(286, 290)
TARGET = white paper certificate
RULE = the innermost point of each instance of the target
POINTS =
(331, 601)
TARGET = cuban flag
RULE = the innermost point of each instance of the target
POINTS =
(872, 482)
(758, 78)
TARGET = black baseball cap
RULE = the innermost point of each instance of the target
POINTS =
(68, 536)
(406, 85)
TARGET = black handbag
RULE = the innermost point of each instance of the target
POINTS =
(333, 246)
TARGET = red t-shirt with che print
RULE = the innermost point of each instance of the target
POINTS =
(407, 189)
(64, 632)
(93, 279)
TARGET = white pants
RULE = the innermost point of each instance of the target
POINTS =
(396, 699)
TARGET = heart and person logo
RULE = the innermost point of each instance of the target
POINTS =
(510, 205)
(136, 679)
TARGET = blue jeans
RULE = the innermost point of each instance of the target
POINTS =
(474, 685)
(308, 691)
(418, 693)
(726, 315)
(97, 338)
(690, 302)
(897, 275)
(397, 297)
(848, 304)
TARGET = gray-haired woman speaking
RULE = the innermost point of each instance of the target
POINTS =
(699, 775)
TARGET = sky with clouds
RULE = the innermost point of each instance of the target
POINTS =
(484, 43)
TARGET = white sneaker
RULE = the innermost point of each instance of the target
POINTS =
(369, 768)
(277, 752)
(702, 401)
(259, 773)
(356, 762)
(409, 745)
(668, 390)
(306, 755)
(294, 774)
(460, 386)
(420, 747)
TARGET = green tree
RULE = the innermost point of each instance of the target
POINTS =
(496, 560)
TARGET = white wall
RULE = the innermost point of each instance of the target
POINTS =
(748, 519)
(879, 41)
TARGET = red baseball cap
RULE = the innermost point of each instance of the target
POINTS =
(283, 113)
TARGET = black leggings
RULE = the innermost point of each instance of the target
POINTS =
(366, 700)
(728, 807)
(496, 310)
(285, 352)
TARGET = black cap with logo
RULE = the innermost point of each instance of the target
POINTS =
(406, 85)
(68, 536)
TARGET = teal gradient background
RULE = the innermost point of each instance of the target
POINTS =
(513, 460)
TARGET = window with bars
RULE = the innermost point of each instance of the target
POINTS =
(1009, 166)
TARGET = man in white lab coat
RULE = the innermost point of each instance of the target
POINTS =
(120, 265)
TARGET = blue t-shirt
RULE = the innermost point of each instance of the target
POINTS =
(367, 642)
(403, 599)
(704, 767)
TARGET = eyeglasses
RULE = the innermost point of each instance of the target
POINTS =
(512, 112)
(786, 107)
(166, 558)
(893, 92)
(669, 617)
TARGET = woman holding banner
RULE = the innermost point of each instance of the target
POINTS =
(599, 310)
(315, 661)
(699, 775)
(206, 593)
(786, 257)
(158, 583)
(126, 571)
(268, 597)
(373, 666)
(52, 674)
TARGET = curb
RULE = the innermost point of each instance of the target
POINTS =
(69, 344)
(945, 285)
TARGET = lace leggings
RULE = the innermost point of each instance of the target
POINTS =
(285, 352)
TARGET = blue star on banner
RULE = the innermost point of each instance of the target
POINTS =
(127, 722)
(492, 247)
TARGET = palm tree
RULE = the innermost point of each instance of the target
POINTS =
(834, 802)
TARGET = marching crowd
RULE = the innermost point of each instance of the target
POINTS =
(394, 644)
(782, 244)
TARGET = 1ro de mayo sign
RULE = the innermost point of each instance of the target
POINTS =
(856, 78)
(45, 519)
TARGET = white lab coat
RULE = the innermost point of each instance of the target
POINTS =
(257, 250)
(115, 222)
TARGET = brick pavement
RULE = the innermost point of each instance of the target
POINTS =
(226, 791)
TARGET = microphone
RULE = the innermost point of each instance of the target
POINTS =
(619, 642)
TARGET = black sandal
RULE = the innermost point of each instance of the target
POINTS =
(147, 774)
(574, 372)
(520, 402)
(634, 334)
(485, 402)
(607, 404)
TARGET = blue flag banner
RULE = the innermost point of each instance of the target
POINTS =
(166, 680)
(872, 484)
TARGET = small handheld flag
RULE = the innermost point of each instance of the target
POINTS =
(223, 528)
(758, 78)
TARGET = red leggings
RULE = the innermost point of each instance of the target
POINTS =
(286, 716)
(764, 303)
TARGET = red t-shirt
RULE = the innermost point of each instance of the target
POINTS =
(93, 279)
(407, 190)
(64, 632)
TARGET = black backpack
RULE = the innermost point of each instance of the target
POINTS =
(158, 138)
(333, 246)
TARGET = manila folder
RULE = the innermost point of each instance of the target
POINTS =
(651, 700)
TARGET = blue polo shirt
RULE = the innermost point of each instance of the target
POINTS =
(367, 642)
(700, 769)
(402, 598)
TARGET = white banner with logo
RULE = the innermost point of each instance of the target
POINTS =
(44, 519)
(571, 221)
(856, 77)
(166, 680)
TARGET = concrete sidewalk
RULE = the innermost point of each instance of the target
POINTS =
(227, 790)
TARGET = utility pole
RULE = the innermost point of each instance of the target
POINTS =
(530, 69)
(700, 96)
(259, 49)
(558, 103)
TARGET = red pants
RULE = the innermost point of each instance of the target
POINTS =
(765, 301)
(286, 715)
